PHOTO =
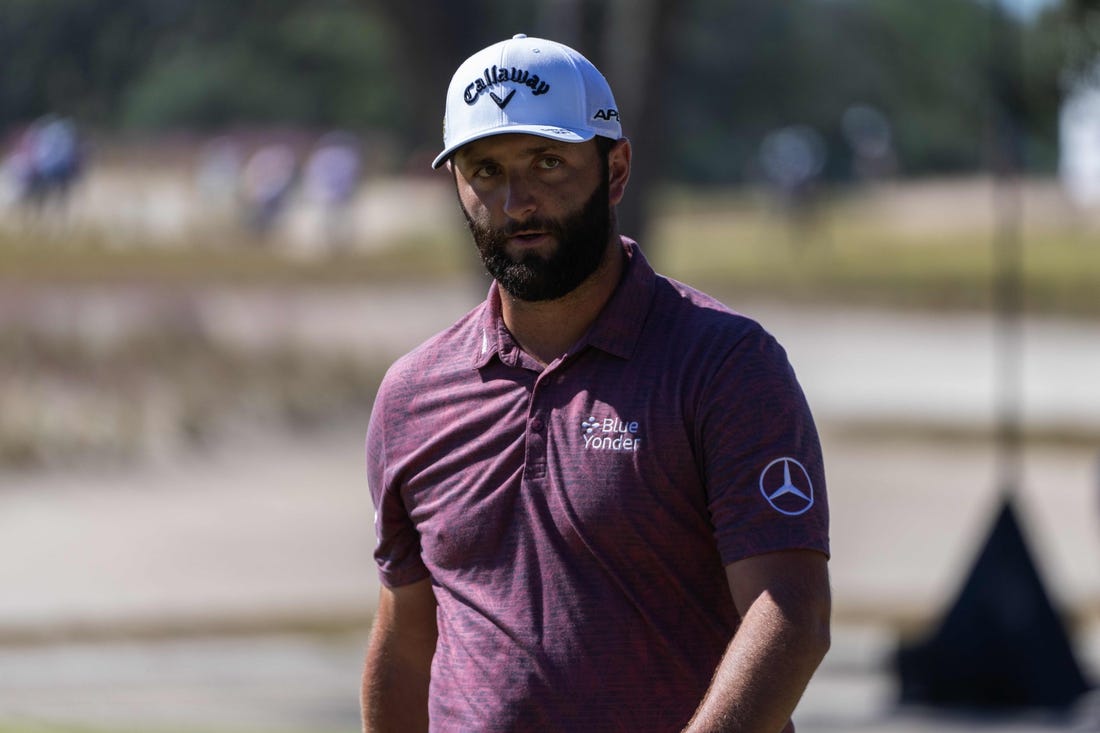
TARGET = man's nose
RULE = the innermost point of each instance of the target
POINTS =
(519, 199)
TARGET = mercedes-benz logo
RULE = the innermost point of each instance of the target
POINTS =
(788, 491)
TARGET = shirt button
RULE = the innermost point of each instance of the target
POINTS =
(536, 425)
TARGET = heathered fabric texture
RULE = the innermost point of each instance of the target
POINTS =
(575, 520)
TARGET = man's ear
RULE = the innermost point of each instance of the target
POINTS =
(618, 170)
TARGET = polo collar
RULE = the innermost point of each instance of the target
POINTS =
(493, 337)
(619, 325)
(616, 330)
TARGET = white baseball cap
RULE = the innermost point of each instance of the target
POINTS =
(527, 85)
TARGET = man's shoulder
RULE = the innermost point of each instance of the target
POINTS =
(454, 347)
(693, 314)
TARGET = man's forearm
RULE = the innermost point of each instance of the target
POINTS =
(397, 671)
(764, 671)
(395, 690)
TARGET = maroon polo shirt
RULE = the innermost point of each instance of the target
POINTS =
(575, 520)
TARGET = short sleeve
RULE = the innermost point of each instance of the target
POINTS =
(761, 454)
(397, 552)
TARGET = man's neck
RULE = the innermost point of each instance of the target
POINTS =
(546, 329)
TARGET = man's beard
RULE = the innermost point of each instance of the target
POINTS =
(582, 244)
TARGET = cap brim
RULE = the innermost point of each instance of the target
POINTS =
(554, 133)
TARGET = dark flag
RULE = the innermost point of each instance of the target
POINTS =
(1001, 645)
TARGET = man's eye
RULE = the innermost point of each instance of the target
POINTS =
(549, 163)
(486, 171)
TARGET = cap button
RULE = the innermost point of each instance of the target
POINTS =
(519, 35)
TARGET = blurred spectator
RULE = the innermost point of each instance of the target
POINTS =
(331, 179)
(870, 137)
(44, 163)
(219, 168)
(267, 181)
(792, 159)
(217, 178)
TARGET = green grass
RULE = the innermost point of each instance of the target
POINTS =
(727, 242)
(732, 246)
(88, 258)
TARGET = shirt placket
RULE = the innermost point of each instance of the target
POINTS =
(538, 425)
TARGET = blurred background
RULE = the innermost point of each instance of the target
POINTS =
(218, 226)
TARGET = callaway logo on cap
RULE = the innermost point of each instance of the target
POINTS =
(527, 85)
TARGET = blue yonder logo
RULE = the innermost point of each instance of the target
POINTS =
(611, 434)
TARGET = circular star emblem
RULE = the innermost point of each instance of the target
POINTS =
(786, 486)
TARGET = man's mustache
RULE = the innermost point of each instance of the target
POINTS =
(513, 228)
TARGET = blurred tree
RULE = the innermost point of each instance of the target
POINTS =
(435, 36)
(322, 63)
(1079, 21)
(71, 56)
(762, 65)
(155, 64)
(1044, 65)
(636, 57)
(716, 75)
(936, 81)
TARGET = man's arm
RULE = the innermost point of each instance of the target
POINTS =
(784, 602)
(399, 660)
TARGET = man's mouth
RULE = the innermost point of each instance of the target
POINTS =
(527, 236)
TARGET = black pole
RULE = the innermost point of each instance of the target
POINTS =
(1006, 164)
(1001, 644)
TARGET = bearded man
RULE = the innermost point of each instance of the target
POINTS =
(600, 497)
